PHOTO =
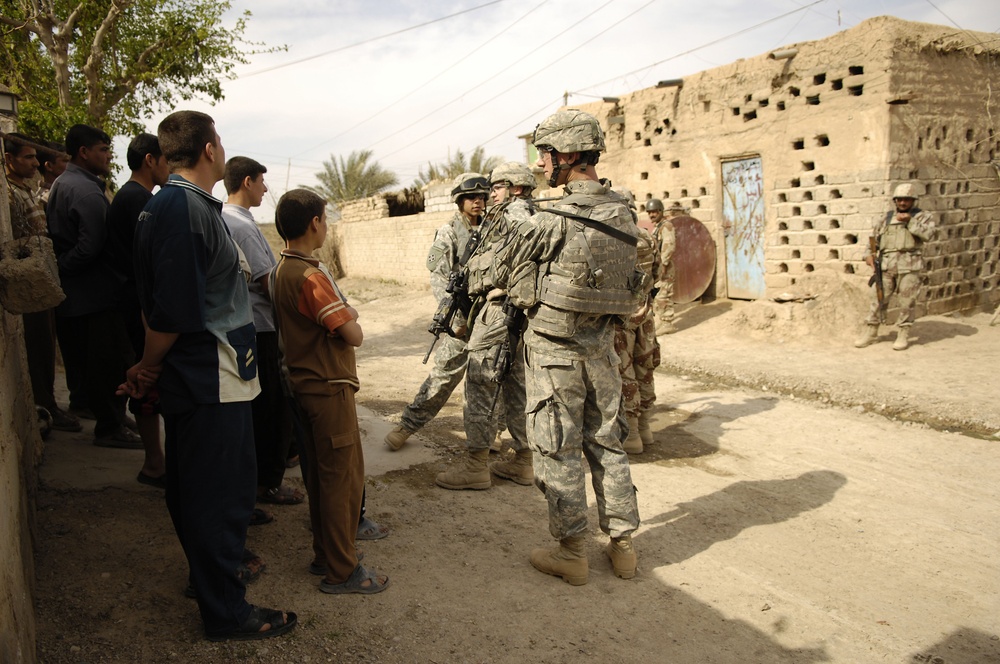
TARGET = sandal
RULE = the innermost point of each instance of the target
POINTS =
(369, 530)
(277, 622)
(355, 583)
(259, 517)
(280, 495)
(320, 569)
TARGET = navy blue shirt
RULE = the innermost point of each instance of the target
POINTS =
(190, 283)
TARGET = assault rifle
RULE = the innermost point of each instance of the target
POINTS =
(876, 279)
(503, 358)
(458, 300)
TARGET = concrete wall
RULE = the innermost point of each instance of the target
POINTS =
(19, 455)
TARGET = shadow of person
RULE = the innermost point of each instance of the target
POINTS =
(963, 646)
(930, 331)
(696, 525)
(673, 437)
(695, 313)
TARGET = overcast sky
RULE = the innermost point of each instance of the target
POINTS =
(490, 74)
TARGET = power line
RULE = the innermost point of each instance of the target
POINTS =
(369, 40)
(529, 77)
(430, 80)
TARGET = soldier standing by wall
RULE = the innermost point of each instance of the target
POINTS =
(900, 237)
(638, 351)
(469, 194)
(573, 270)
(663, 265)
(511, 186)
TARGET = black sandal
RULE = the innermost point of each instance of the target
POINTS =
(280, 623)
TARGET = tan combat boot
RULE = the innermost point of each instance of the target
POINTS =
(623, 556)
(902, 339)
(396, 438)
(568, 560)
(518, 469)
(472, 473)
(633, 444)
(645, 432)
(868, 337)
(665, 327)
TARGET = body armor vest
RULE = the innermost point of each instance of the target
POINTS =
(593, 273)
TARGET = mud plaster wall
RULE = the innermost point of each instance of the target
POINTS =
(375, 245)
(19, 448)
(832, 147)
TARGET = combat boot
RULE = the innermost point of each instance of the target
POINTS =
(633, 444)
(472, 473)
(665, 327)
(568, 560)
(518, 469)
(645, 432)
(623, 557)
(868, 337)
(902, 339)
(396, 438)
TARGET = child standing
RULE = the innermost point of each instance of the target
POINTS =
(319, 332)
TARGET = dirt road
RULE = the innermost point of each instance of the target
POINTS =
(785, 519)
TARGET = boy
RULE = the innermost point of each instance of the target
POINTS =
(319, 332)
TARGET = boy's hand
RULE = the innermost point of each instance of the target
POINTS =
(353, 312)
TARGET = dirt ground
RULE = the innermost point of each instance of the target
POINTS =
(804, 501)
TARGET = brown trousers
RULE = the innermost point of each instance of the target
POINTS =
(335, 477)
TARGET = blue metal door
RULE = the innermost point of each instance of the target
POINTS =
(743, 224)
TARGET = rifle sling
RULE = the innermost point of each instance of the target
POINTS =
(596, 225)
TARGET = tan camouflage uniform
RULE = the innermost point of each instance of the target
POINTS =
(636, 345)
(663, 270)
(450, 356)
(900, 245)
(574, 398)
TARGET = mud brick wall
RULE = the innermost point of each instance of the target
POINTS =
(836, 127)
(376, 246)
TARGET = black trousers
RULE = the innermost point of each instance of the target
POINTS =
(210, 494)
(272, 426)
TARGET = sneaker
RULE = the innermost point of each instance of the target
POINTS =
(122, 439)
(63, 421)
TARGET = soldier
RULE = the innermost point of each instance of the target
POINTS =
(663, 265)
(573, 270)
(469, 195)
(511, 187)
(900, 235)
(638, 351)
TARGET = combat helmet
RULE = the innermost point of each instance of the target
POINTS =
(570, 131)
(515, 174)
(469, 184)
(905, 190)
(654, 204)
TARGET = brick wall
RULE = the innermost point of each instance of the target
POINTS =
(836, 126)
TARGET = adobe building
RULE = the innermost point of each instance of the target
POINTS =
(786, 157)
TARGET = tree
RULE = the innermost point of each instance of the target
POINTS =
(456, 165)
(109, 63)
(356, 177)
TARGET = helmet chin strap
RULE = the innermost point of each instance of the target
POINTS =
(558, 168)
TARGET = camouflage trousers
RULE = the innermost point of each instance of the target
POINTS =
(639, 353)
(450, 360)
(575, 406)
(481, 425)
(663, 302)
(906, 286)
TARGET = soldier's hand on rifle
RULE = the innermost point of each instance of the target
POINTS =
(870, 261)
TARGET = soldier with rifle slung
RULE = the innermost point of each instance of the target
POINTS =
(899, 237)
(444, 261)
(494, 381)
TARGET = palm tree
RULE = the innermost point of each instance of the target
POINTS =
(356, 177)
(456, 165)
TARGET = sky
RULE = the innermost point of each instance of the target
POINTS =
(453, 75)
